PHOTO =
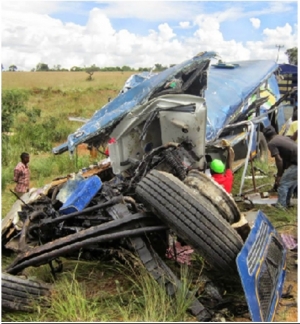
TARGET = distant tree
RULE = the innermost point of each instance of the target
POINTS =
(57, 67)
(90, 71)
(2, 67)
(12, 68)
(76, 69)
(292, 54)
(42, 67)
(140, 69)
(159, 67)
(126, 68)
(32, 70)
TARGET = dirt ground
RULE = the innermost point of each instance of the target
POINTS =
(287, 310)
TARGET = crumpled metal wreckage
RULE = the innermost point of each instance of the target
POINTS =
(167, 127)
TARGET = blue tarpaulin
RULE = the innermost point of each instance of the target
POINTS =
(288, 69)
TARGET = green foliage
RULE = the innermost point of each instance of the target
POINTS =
(159, 67)
(96, 292)
(42, 67)
(40, 137)
(126, 68)
(292, 54)
(143, 301)
(13, 102)
(72, 304)
(12, 68)
(76, 69)
(33, 114)
(6, 177)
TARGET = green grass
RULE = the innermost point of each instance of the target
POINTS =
(110, 292)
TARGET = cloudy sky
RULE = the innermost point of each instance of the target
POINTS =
(143, 33)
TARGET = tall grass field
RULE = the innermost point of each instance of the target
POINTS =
(36, 107)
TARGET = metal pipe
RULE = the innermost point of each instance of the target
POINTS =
(248, 123)
(253, 175)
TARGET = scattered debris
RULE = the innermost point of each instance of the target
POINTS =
(289, 242)
(256, 198)
(179, 253)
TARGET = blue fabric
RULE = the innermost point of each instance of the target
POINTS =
(287, 184)
(288, 69)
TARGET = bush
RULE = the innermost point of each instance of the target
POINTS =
(13, 102)
(41, 137)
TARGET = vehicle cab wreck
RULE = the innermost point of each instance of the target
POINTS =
(167, 128)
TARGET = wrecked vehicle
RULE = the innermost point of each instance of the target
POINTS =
(167, 128)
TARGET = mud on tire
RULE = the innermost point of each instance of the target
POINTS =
(194, 221)
(205, 187)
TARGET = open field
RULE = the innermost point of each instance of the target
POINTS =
(105, 291)
(64, 80)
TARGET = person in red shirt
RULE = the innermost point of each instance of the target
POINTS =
(22, 175)
(112, 140)
(222, 174)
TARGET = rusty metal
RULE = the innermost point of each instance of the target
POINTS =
(60, 219)
(83, 238)
(47, 257)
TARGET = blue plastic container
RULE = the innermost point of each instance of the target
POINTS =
(82, 195)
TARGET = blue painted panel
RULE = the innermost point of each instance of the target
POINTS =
(81, 195)
(252, 268)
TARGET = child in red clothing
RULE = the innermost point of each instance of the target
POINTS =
(112, 140)
(217, 168)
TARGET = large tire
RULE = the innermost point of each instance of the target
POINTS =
(262, 151)
(205, 187)
(19, 294)
(176, 205)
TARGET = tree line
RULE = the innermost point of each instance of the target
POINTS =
(292, 54)
(43, 67)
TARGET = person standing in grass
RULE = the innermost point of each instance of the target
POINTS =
(22, 175)
(285, 152)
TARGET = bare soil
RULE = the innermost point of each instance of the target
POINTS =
(287, 310)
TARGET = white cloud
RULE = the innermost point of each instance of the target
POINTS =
(152, 10)
(184, 24)
(165, 32)
(31, 36)
(255, 22)
(99, 24)
(41, 7)
(268, 48)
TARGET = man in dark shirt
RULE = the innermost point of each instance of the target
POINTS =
(285, 152)
(217, 168)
